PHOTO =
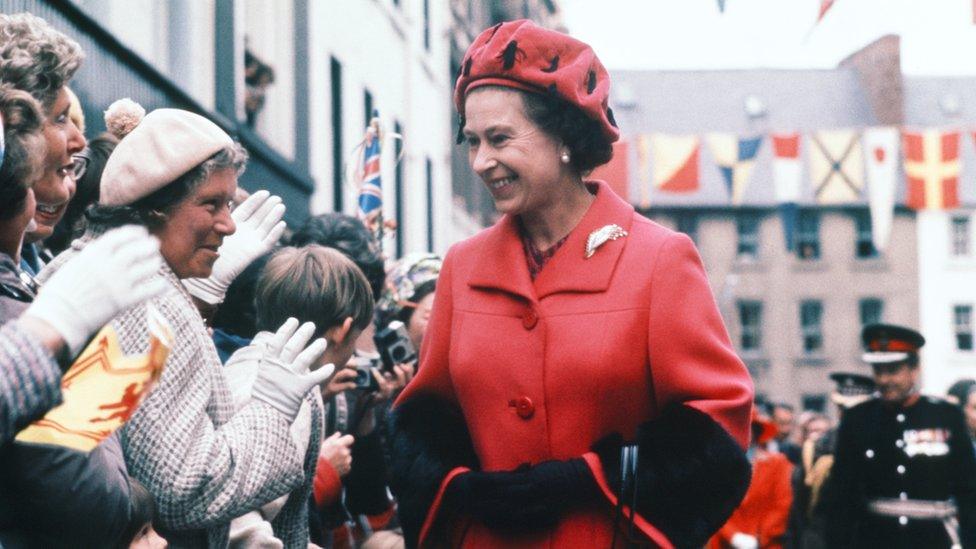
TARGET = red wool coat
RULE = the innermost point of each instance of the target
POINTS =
(765, 510)
(543, 369)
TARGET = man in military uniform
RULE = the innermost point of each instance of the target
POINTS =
(904, 473)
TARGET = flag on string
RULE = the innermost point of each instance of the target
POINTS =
(824, 6)
(836, 166)
(675, 162)
(932, 169)
(787, 174)
(370, 187)
(643, 170)
(721, 6)
(735, 157)
(881, 165)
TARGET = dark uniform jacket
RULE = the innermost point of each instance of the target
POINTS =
(916, 452)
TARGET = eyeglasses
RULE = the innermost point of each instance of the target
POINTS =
(79, 164)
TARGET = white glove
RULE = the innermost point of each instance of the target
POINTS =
(283, 376)
(259, 226)
(110, 275)
(744, 541)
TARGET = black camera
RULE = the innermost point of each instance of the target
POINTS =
(394, 346)
(365, 381)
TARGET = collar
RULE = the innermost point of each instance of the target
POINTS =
(501, 262)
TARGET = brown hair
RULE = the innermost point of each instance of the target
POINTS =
(313, 284)
(23, 155)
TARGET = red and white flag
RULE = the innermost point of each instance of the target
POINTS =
(824, 6)
(787, 169)
(932, 169)
(675, 162)
(881, 166)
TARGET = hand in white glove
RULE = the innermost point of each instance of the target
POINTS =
(283, 375)
(259, 226)
(112, 274)
(744, 541)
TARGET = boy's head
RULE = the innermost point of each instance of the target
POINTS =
(320, 285)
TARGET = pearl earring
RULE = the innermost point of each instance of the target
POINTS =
(564, 157)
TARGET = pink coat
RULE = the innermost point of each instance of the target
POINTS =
(543, 369)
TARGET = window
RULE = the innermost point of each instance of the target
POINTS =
(335, 71)
(814, 402)
(962, 319)
(870, 310)
(960, 236)
(398, 190)
(808, 235)
(750, 319)
(811, 313)
(367, 107)
(427, 25)
(687, 223)
(429, 171)
(864, 244)
(747, 228)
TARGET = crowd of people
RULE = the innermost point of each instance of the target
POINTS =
(562, 379)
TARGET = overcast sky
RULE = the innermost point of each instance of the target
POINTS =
(938, 36)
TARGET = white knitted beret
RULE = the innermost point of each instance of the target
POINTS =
(166, 144)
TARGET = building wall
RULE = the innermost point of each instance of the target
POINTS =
(945, 281)
(380, 45)
(780, 281)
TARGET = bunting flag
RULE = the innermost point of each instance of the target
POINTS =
(836, 166)
(370, 184)
(643, 170)
(932, 169)
(824, 6)
(787, 181)
(881, 165)
(721, 6)
(675, 159)
(735, 158)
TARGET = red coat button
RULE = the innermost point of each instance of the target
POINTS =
(530, 319)
(524, 407)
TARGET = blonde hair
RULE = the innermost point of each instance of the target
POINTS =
(313, 284)
(35, 57)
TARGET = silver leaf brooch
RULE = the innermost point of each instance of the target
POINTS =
(601, 236)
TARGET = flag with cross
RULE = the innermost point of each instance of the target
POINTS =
(932, 169)
(836, 166)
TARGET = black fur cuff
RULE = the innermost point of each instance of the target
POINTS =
(428, 438)
(691, 474)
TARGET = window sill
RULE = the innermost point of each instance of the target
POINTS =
(870, 264)
(811, 360)
(749, 265)
(809, 266)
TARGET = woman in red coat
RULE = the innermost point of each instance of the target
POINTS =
(573, 340)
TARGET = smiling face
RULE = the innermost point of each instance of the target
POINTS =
(518, 161)
(197, 225)
(896, 382)
(56, 186)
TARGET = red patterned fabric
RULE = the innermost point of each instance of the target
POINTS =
(536, 258)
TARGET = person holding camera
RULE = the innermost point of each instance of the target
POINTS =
(577, 387)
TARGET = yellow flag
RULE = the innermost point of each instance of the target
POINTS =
(102, 389)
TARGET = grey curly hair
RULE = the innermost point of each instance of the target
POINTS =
(35, 57)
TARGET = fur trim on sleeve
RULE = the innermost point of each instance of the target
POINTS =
(428, 438)
(691, 474)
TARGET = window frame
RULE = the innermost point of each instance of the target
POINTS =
(751, 331)
(808, 235)
(955, 235)
(747, 242)
(811, 330)
(965, 334)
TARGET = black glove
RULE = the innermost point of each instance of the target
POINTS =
(528, 498)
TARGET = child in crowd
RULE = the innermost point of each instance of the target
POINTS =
(314, 285)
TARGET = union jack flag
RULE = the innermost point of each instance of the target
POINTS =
(370, 188)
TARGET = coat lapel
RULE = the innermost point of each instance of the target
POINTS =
(567, 270)
(501, 263)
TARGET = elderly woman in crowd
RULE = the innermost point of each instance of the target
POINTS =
(204, 464)
(40, 60)
(575, 345)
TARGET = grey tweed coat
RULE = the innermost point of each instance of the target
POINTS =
(203, 464)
